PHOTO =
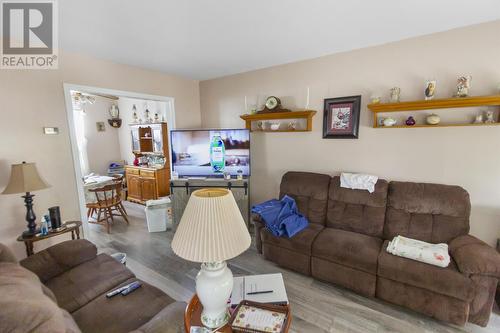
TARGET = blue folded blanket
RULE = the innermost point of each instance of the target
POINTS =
(281, 217)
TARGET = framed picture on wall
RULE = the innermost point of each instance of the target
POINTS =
(341, 117)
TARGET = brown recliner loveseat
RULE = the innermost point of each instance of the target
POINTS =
(346, 240)
(63, 289)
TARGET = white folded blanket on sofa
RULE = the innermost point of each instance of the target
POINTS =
(434, 254)
(358, 181)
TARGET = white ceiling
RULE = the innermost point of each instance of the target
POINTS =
(203, 39)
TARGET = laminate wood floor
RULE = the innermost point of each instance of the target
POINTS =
(316, 306)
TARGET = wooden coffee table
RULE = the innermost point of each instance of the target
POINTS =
(192, 317)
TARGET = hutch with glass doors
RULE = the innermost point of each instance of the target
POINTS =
(149, 179)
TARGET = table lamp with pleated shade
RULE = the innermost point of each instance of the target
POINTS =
(212, 231)
(24, 178)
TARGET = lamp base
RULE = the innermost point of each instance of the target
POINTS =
(214, 284)
(30, 233)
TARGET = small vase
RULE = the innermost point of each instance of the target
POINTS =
(410, 121)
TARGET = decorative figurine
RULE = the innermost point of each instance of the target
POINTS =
(292, 125)
(275, 126)
(463, 86)
(388, 122)
(430, 89)
(395, 94)
(479, 119)
(410, 121)
(146, 116)
(375, 99)
(489, 117)
(157, 118)
(433, 119)
(135, 119)
(260, 125)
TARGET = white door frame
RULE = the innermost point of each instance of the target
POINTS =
(68, 87)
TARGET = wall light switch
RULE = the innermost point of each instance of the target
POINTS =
(51, 130)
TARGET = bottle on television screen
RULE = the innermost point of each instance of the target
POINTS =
(217, 153)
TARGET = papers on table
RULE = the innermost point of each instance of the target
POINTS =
(97, 179)
(242, 285)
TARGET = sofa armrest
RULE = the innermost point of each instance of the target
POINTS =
(474, 256)
(60, 258)
(168, 320)
(258, 225)
(6, 254)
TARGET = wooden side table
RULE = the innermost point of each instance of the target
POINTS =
(70, 226)
(192, 317)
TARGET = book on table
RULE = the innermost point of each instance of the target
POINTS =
(264, 288)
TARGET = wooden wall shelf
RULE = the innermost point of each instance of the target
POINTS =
(304, 114)
(445, 103)
(422, 105)
(441, 125)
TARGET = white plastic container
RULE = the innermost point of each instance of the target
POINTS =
(158, 214)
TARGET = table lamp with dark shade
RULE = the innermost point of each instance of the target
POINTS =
(212, 231)
(24, 178)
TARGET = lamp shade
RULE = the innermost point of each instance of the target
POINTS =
(211, 228)
(24, 177)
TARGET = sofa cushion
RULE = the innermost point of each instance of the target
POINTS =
(348, 248)
(310, 191)
(357, 210)
(446, 281)
(81, 284)
(60, 258)
(301, 242)
(432, 213)
(122, 313)
(25, 308)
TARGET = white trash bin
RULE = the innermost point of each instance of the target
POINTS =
(158, 214)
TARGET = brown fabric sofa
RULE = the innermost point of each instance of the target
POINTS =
(63, 289)
(346, 240)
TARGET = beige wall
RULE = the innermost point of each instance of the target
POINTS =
(102, 147)
(30, 100)
(465, 156)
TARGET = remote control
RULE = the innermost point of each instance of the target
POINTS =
(118, 290)
(133, 286)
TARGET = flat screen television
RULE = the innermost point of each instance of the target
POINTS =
(210, 152)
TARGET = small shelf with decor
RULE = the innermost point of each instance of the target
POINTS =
(289, 121)
(434, 104)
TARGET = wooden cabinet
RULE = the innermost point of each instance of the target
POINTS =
(148, 187)
(146, 184)
(149, 141)
(134, 187)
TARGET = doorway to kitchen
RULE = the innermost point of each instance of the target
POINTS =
(121, 150)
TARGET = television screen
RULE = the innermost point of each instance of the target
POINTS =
(211, 152)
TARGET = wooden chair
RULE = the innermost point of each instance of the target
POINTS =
(120, 179)
(109, 203)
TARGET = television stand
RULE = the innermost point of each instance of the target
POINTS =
(181, 189)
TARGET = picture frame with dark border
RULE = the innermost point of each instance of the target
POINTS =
(341, 117)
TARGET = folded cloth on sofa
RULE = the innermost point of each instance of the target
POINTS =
(281, 217)
(358, 181)
(434, 254)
